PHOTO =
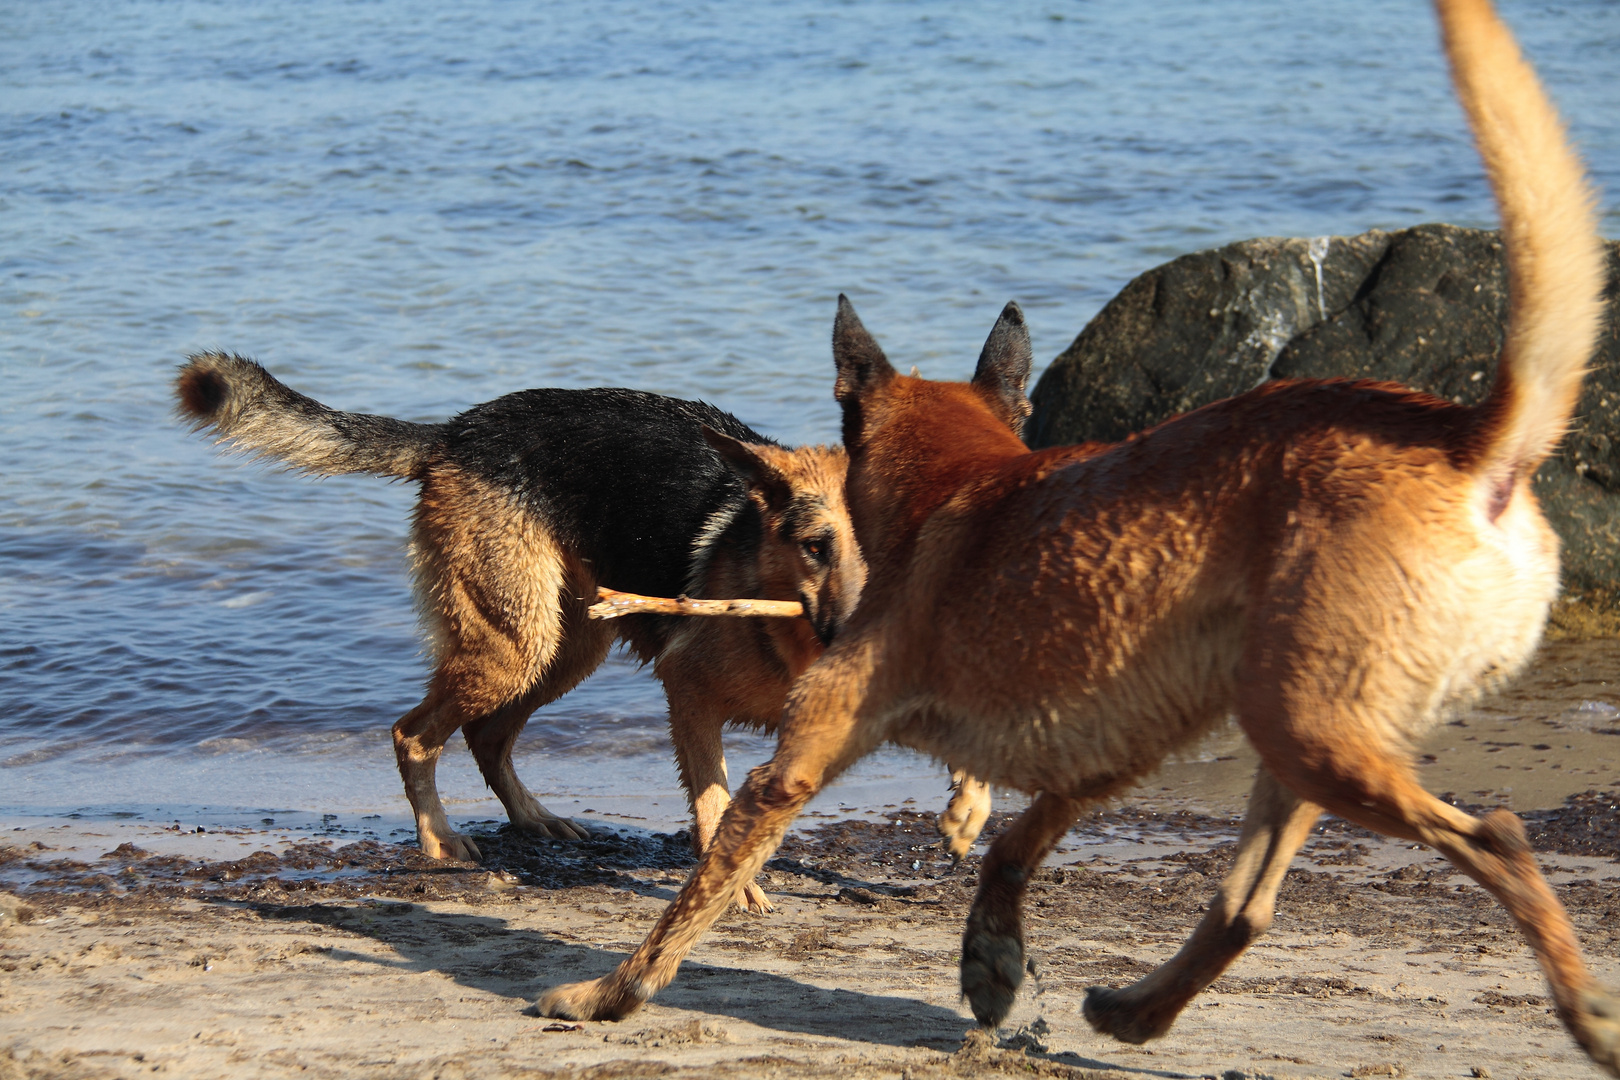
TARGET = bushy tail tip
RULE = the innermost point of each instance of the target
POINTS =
(214, 388)
(201, 391)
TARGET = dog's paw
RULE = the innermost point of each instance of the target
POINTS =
(992, 971)
(964, 818)
(599, 999)
(1599, 1029)
(751, 898)
(452, 847)
(554, 828)
(1117, 1013)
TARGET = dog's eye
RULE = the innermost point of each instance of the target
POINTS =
(816, 549)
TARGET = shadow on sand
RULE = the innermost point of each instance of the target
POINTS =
(486, 953)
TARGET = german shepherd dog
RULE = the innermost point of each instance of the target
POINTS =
(1336, 562)
(527, 503)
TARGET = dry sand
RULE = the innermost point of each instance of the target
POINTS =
(152, 952)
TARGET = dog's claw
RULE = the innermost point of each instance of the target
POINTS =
(555, 828)
(751, 898)
(568, 829)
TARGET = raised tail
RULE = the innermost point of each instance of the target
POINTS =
(1554, 253)
(253, 411)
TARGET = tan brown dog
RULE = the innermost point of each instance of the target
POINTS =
(1336, 562)
(527, 503)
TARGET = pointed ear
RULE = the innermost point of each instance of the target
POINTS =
(749, 462)
(861, 364)
(1004, 365)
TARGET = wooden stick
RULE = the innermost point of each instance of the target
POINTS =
(610, 604)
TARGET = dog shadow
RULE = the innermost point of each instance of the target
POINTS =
(486, 953)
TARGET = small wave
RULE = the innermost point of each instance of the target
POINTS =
(213, 747)
(33, 757)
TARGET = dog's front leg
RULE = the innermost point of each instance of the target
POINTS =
(993, 942)
(1277, 823)
(826, 728)
(695, 728)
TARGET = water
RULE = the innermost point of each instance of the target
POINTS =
(406, 208)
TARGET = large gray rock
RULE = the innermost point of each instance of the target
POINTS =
(1423, 307)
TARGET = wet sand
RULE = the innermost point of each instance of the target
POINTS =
(246, 953)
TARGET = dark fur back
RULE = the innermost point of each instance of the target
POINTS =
(623, 477)
(248, 407)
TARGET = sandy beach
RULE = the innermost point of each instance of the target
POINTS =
(151, 949)
(207, 863)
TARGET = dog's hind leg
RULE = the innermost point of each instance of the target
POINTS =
(491, 581)
(490, 738)
(1330, 745)
(1277, 824)
(472, 685)
(1495, 852)
(419, 738)
(993, 941)
(584, 646)
(1378, 791)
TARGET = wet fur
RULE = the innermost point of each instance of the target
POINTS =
(528, 503)
(1337, 563)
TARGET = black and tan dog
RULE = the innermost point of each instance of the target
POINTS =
(1335, 562)
(527, 503)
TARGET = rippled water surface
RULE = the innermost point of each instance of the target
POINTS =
(409, 208)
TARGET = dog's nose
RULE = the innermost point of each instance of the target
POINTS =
(824, 622)
(826, 630)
